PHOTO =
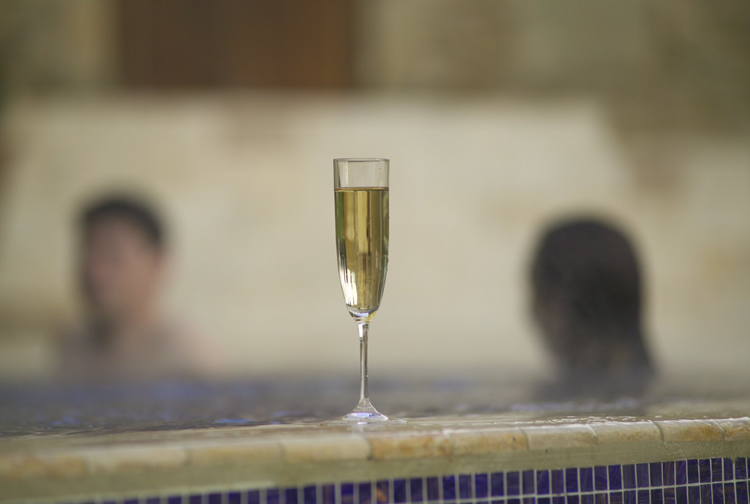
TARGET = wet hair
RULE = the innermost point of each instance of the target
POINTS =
(593, 268)
(588, 270)
(129, 208)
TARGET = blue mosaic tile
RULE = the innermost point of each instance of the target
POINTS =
(628, 476)
(681, 472)
(465, 488)
(718, 491)
(668, 473)
(740, 469)
(513, 485)
(309, 493)
(571, 480)
(704, 467)
(728, 469)
(481, 486)
(587, 479)
(558, 483)
(704, 481)
(363, 494)
(497, 485)
(527, 482)
(449, 488)
(681, 495)
(729, 493)
(693, 471)
(346, 495)
(382, 491)
(669, 496)
(273, 496)
(655, 470)
(399, 490)
(717, 470)
(694, 494)
(290, 496)
(741, 489)
(416, 490)
(433, 488)
(600, 477)
(615, 477)
(641, 471)
(327, 495)
(542, 482)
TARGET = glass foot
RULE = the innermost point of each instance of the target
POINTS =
(364, 413)
(364, 416)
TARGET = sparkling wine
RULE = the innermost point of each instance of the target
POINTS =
(362, 245)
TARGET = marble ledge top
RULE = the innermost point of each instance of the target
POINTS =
(448, 437)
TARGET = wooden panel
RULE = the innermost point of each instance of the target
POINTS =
(230, 43)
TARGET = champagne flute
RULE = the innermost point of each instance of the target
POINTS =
(361, 194)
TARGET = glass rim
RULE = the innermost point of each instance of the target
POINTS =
(361, 160)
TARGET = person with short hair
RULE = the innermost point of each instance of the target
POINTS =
(123, 335)
(587, 305)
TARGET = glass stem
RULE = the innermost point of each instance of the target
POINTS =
(364, 395)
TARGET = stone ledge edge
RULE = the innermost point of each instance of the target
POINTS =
(442, 443)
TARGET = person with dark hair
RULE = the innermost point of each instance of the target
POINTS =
(123, 259)
(587, 304)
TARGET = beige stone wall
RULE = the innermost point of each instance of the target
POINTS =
(637, 110)
(246, 182)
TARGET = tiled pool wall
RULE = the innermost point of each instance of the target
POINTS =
(693, 481)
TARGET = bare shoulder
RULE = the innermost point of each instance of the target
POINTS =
(192, 348)
(75, 355)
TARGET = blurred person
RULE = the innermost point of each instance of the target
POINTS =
(122, 266)
(587, 304)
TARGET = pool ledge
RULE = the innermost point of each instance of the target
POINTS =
(36, 467)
